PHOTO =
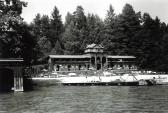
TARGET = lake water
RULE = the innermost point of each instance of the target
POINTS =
(87, 99)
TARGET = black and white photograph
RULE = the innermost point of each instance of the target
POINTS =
(83, 56)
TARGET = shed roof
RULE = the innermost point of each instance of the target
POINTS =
(11, 60)
(121, 56)
(70, 56)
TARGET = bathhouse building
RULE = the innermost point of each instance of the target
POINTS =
(94, 58)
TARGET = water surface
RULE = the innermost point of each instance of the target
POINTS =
(87, 99)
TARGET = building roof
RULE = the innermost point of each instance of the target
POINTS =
(120, 56)
(86, 56)
(11, 59)
(69, 56)
(94, 46)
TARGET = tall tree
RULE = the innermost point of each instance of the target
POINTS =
(36, 26)
(68, 19)
(94, 29)
(150, 43)
(125, 29)
(163, 65)
(79, 18)
(110, 16)
(45, 26)
(75, 32)
(109, 37)
(56, 27)
(41, 30)
(27, 44)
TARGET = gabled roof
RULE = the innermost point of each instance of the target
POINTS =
(94, 46)
(121, 56)
(69, 56)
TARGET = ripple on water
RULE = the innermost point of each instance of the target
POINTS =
(95, 99)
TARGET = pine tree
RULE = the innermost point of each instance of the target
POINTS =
(36, 26)
(150, 43)
(79, 18)
(41, 30)
(45, 26)
(94, 29)
(57, 50)
(110, 21)
(125, 29)
(56, 27)
(75, 32)
(68, 19)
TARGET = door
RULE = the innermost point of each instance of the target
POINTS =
(6, 79)
(98, 66)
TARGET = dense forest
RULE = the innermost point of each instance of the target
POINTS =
(128, 33)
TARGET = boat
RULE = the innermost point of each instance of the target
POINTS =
(152, 79)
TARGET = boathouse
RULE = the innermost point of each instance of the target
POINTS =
(11, 74)
(94, 58)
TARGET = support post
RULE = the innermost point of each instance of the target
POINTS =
(18, 84)
(18, 80)
(50, 64)
(96, 62)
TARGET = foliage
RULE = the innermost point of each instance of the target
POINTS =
(47, 32)
(57, 49)
(15, 35)
(126, 27)
(56, 27)
(109, 37)
(94, 30)
(75, 32)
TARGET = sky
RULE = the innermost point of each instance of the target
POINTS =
(153, 7)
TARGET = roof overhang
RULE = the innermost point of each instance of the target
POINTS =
(70, 56)
(121, 56)
(11, 60)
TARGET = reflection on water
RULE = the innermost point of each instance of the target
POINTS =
(93, 99)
